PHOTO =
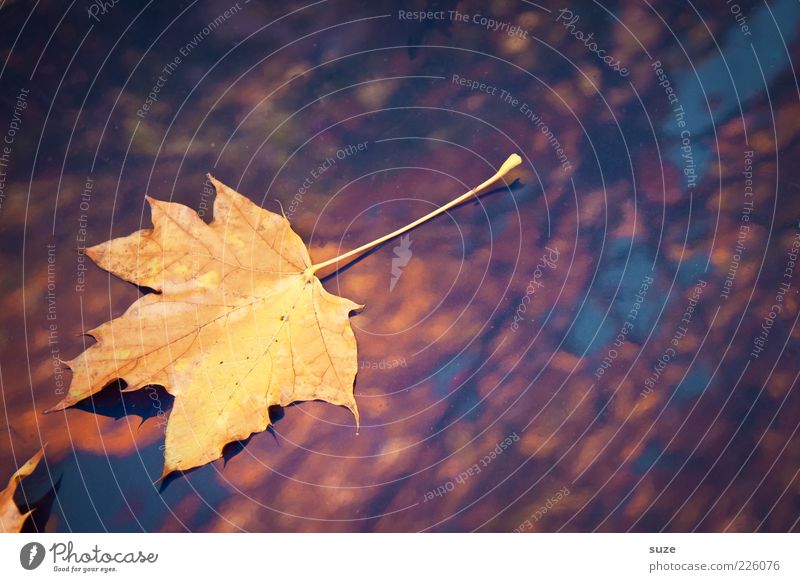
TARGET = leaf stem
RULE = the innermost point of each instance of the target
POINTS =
(512, 162)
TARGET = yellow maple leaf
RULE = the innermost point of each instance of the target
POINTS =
(11, 518)
(239, 322)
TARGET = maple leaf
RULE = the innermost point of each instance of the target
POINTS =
(239, 322)
(11, 518)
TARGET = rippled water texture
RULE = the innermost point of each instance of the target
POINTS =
(609, 342)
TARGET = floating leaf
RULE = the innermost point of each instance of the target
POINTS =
(239, 322)
(11, 518)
